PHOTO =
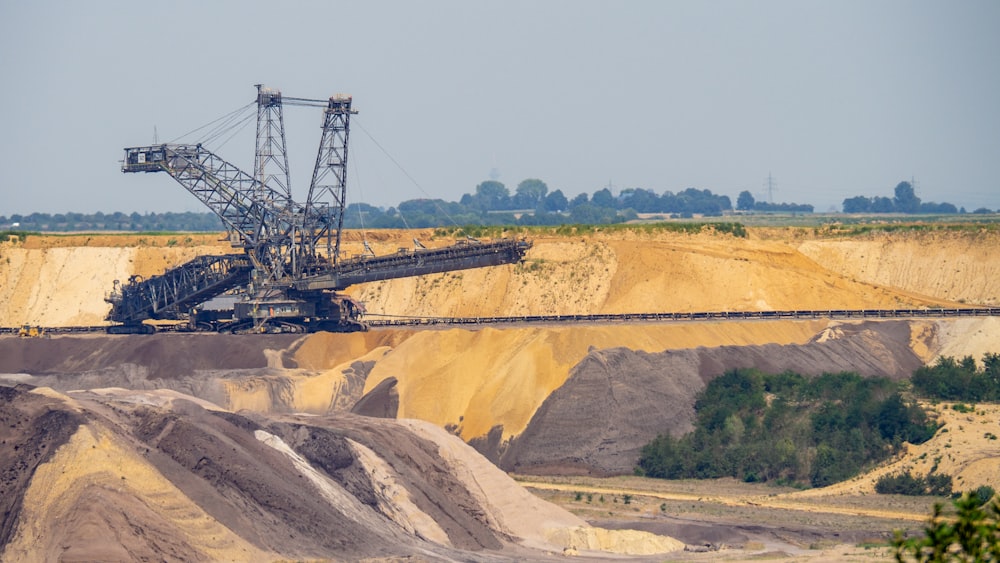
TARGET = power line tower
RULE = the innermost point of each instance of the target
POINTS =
(770, 185)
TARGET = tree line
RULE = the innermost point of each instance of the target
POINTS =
(789, 428)
(118, 221)
(959, 380)
(533, 204)
(492, 203)
(816, 431)
(905, 200)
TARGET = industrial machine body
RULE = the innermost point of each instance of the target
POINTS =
(289, 272)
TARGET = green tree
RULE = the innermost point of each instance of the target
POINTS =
(859, 204)
(603, 198)
(973, 534)
(883, 205)
(555, 202)
(745, 201)
(580, 199)
(492, 195)
(906, 200)
(530, 193)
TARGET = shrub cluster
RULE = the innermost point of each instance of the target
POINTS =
(907, 484)
(972, 534)
(960, 380)
(787, 427)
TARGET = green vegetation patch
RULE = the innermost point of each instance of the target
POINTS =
(16, 236)
(789, 428)
(497, 231)
(971, 534)
(932, 224)
(908, 484)
(960, 380)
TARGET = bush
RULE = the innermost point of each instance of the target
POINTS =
(19, 236)
(984, 493)
(906, 484)
(972, 535)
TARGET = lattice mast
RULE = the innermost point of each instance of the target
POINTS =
(271, 157)
(326, 203)
(273, 188)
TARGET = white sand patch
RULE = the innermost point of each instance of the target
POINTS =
(153, 397)
(394, 500)
(974, 337)
(341, 500)
(511, 509)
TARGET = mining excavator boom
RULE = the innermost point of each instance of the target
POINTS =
(290, 271)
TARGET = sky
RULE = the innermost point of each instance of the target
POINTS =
(830, 99)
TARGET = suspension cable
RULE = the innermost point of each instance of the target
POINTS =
(412, 180)
(229, 115)
(361, 215)
(234, 123)
(236, 130)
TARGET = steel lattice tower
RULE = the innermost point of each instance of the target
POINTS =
(271, 158)
(328, 190)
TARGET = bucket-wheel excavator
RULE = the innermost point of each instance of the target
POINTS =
(288, 276)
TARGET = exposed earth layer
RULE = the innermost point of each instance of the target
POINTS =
(213, 447)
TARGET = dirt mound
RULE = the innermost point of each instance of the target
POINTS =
(32, 428)
(163, 356)
(130, 476)
(495, 387)
(617, 400)
(474, 381)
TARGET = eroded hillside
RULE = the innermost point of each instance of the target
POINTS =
(959, 266)
(62, 280)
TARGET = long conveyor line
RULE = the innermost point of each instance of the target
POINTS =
(377, 321)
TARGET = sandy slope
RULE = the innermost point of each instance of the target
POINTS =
(60, 281)
(622, 273)
(967, 447)
(958, 266)
(154, 476)
(475, 380)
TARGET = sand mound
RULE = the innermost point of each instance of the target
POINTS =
(617, 400)
(166, 479)
(525, 397)
(474, 381)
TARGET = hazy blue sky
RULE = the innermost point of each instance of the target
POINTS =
(835, 99)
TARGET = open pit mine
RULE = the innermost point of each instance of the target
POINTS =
(398, 441)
